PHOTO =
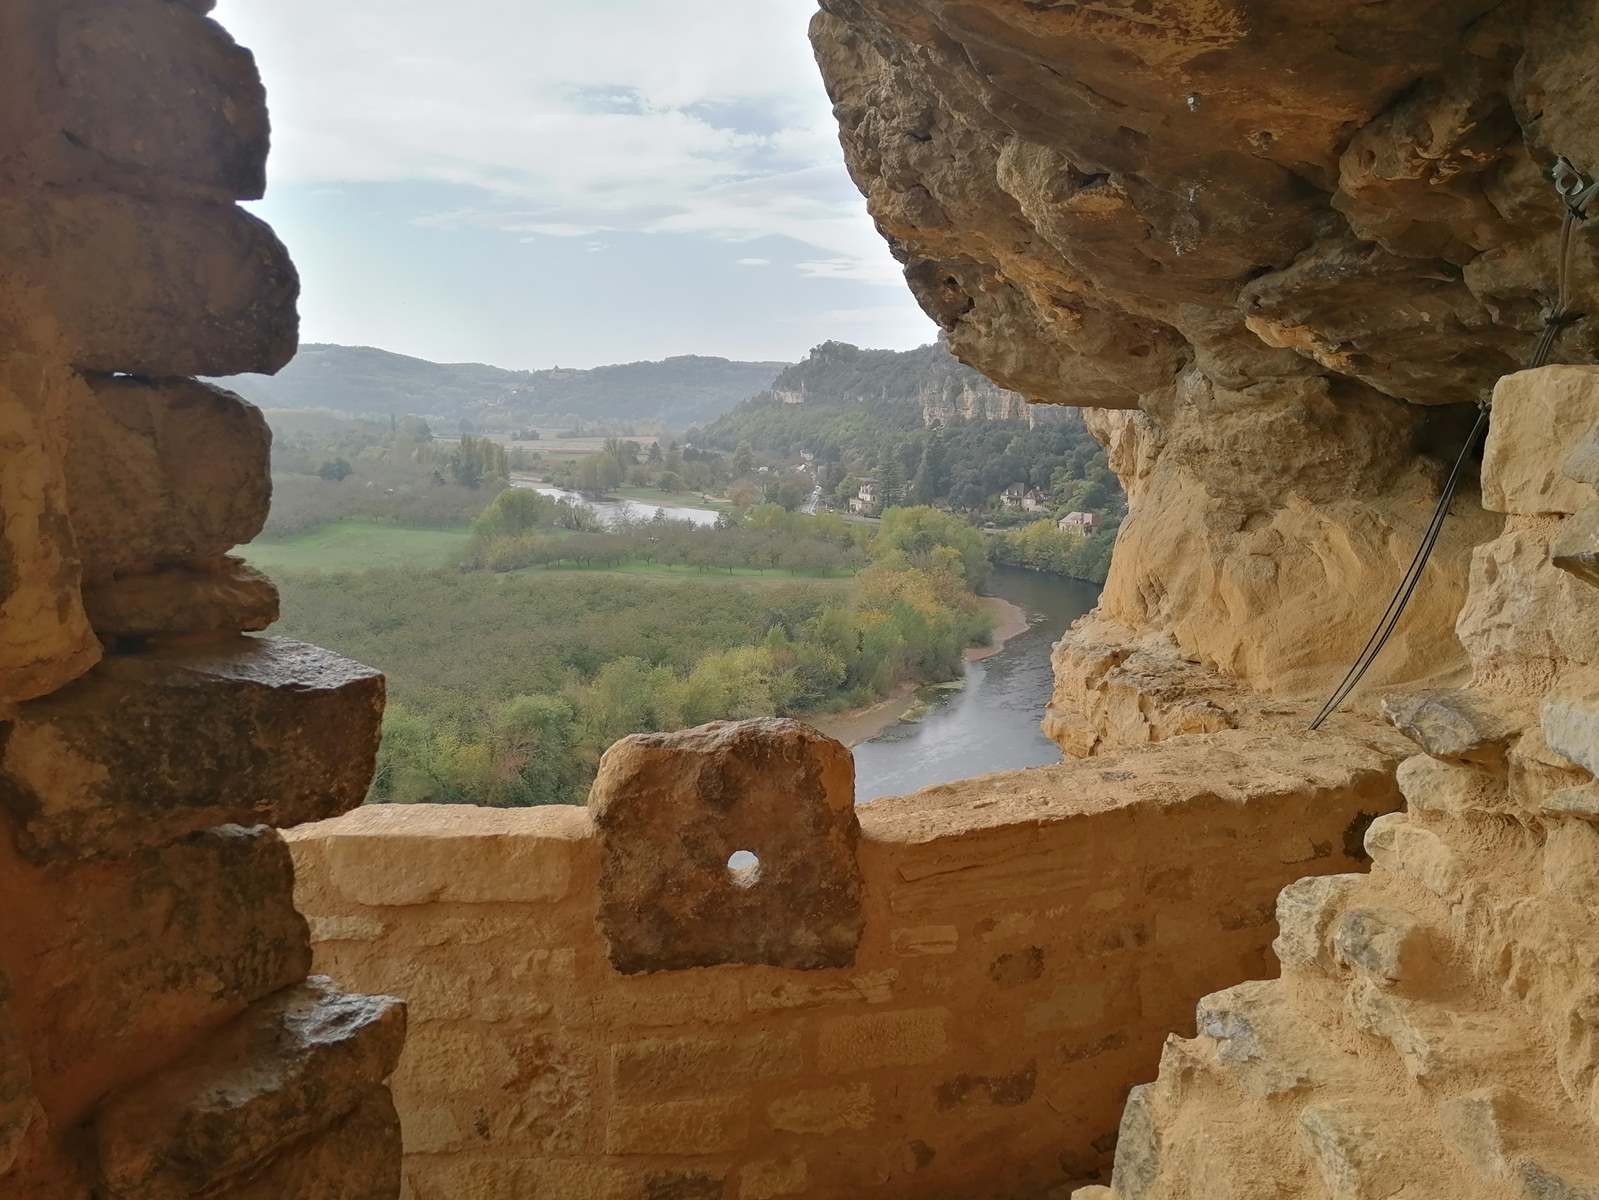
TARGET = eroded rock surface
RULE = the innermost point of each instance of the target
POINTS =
(1296, 245)
(1433, 1031)
(145, 914)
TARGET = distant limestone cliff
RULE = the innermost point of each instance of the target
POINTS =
(929, 377)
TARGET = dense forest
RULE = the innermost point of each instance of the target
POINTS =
(507, 683)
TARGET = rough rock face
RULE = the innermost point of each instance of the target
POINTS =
(1434, 1029)
(1295, 241)
(157, 1037)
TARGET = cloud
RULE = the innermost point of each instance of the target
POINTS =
(703, 117)
(754, 262)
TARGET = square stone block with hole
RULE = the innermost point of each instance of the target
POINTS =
(673, 809)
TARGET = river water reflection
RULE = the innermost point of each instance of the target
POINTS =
(609, 510)
(991, 724)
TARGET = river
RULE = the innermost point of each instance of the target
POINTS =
(990, 724)
(610, 509)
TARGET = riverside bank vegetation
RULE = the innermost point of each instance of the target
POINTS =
(511, 672)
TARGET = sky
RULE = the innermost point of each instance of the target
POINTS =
(535, 183)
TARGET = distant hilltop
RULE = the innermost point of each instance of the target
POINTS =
(363, 381)
(676, 393)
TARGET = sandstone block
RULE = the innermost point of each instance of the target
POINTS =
(906, 1038)
(1345, 1148)
(442, 1057)
(1525, 619)
(1571, 862)
(707, 1125)
(1455, 722)
(151, 287)
(869, 987)
(45, 639)
(126, 955)
(1388, 944)
(1538, 418)
(164, 472)
(1138, 1146)
(152, 746)
(770, 1178)
(1579, 802)
(223, 596)
(1571, 722)
(1474, 1125)
(1397, 844)
(672, 809)
(287, 1068)
(388, 855)
(1576, 547)
(824, 1110)
(1255, 1040)
(1456, 789)
(130, 73)
(920, 940)
(1306, 910)
(697, 1066)
(357, 1159)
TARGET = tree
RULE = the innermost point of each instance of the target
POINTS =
(743, 460)
(931, 480)
(335, 470)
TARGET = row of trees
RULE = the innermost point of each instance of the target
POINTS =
(1043, 546)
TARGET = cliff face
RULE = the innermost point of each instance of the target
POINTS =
(1294, 243)
(929, 377)
(1284, 248)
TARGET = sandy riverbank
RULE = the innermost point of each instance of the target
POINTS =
(857, 725)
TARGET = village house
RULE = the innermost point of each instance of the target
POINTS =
(1011, 497)
(865, 502)
(1081, 523)
(1034, 500)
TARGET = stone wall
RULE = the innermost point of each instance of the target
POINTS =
(1024, 942)
(158, 1035)
(1435, 1031)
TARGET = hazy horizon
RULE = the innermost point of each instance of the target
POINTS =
(540, 186)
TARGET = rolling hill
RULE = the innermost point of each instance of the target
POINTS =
(362, 381)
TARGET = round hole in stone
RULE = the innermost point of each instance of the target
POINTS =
(743, 868)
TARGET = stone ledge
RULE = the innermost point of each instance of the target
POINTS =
(163, 471)
(149, 747)
(153, 288)
(1234, 767)
(1538, 416)
(405, 854)
(292, 1065)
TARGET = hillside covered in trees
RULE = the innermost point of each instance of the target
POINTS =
(928, 429)
(363, 381)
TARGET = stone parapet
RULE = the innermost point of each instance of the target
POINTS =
(1028, 940)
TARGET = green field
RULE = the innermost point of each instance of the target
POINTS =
(372, 545)
(359, 546)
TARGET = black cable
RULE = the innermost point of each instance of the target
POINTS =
(1556, 320)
